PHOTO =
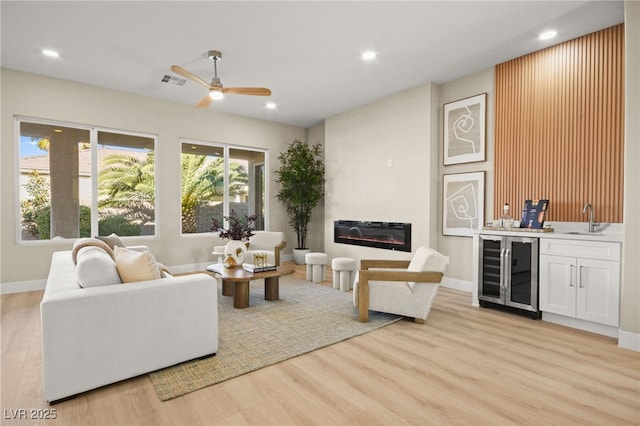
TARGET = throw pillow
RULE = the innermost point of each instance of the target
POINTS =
(95, 267)
(88, 242)
(112, 240)
(136, 266)
(164, 271)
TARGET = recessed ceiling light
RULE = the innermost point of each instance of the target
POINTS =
(50, 53)
(271, 105)
(369, 55)
(546, 35)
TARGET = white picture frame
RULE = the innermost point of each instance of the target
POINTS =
(465, 130)
(462, 203)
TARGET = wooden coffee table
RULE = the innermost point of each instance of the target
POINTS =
(235, 282)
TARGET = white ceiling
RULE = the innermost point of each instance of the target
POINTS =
(307, 53)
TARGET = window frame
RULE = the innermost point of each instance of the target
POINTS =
(93, 142)
(226, 156)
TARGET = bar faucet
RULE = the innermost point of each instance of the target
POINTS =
(592, 225)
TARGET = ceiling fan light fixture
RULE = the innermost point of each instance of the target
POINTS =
(216, 95)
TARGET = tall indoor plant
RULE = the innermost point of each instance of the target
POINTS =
(301, 176)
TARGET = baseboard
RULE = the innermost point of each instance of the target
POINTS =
(456, 284)
(592, 327)
(22, 286)
(629, 340)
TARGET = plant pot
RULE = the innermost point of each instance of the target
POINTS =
(299, 254)
(234, 253)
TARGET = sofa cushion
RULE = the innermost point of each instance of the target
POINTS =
(136, 266)
(112, 240)
(95, 267)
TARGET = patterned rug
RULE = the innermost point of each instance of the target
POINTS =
(307, 317)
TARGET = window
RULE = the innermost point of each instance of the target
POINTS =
(80, 181)
(126, 184)
(217, 179)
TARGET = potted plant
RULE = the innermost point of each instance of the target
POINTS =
(239, 230)
(301, 176)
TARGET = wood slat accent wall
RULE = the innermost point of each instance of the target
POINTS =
(559, 129)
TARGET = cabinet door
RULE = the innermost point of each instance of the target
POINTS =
(558, 285)
(598, 291)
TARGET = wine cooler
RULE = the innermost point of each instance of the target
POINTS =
(508, 273)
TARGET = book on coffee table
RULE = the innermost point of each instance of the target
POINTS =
(250, 267)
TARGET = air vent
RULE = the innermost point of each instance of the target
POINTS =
(173, 80)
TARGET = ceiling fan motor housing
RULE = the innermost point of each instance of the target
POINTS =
(216, 83)
(214, 55)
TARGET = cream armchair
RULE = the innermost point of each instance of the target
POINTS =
(400, 287)
(268, 242)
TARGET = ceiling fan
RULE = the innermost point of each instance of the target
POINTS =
(216, 90)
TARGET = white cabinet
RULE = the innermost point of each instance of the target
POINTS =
(580, 279)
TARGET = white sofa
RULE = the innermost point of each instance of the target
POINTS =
(270, 242)
(99, 335)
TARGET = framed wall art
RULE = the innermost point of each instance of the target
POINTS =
(465, 130)
(463, 203)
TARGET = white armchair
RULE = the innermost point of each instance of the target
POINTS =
(268, 242)
(399, 287)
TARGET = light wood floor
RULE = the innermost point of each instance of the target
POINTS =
(465, 365)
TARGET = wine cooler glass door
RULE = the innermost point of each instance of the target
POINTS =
(491, 269)
(523, 273)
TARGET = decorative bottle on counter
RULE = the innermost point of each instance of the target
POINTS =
(506, 220)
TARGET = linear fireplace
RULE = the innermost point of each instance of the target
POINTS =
(385, 235)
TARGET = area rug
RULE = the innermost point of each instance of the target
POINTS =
(307, 317)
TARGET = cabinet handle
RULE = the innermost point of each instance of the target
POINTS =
(580, 278)
(503, 269)
(571, 275)
(507, 267)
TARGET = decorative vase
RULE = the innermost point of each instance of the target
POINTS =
(234, 253)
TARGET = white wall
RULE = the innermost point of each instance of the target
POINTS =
(381, 165)
(315, 236)
(630, 295)
(39, 97)
(459, 248)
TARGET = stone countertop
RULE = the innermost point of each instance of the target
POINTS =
(564, 230)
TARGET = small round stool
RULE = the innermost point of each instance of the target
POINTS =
(315, 266)
(343, 272)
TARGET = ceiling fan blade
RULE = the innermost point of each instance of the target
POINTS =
(189, 75)
(204, 102)
(256, 91)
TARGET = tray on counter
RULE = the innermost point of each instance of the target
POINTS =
(493, 228)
